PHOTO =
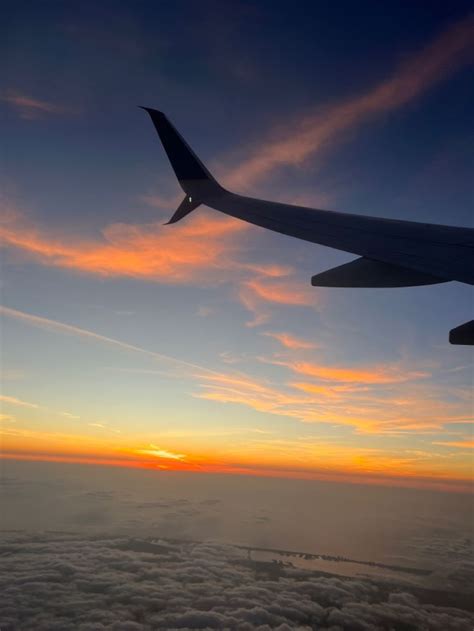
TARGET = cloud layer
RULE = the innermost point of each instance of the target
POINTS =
(73, 583)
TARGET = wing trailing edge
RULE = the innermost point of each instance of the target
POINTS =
(364, 272)
(463, 334)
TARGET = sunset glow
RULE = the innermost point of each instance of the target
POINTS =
(203, 346)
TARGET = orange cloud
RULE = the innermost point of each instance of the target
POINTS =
(270, 270)
(15, 401)
(376, 412)
(290, 341)
(160, 453)
(373, 375)
(366, 399)
(286, 293)
(326, 390)
(203, 249)
(462, 444)
(28, 107)
(150, 251)
(256, 294)
(303, 138)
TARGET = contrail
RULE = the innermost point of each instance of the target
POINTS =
(69, 329)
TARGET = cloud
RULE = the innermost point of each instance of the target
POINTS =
(153, 450)
(69, 415)
(290, 341)
(15, 401)
(28, 107)
(258, 294)
(331, 390)
(194, 250)
(318, 131)
(462, 444)
(381, 374)
(260, 311)
(368, 398)
(68, 329)
(281, 292)
(204, 312)
(207, 250)
(107, 583)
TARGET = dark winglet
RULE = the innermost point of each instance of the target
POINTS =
(186, 206)
(184, 161)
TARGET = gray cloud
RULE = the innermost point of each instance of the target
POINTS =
(96, 583)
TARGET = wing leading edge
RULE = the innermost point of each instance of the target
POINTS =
(392, 253)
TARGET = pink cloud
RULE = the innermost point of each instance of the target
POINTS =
(151, 251)
(290, 341)
(28, 107)
(301, 138)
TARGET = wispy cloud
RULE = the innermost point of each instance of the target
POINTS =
(462, 444)
(153, 450)
(7, 418)
(187, 252)
(15, 401)
(207, 250)
(281, 292)
(105, 427)
(302, 138)
(384, 399)
(68, 329)
(290, 341)
(257, 294)
(367, 398)
(374, 375)
(373, 408)
(30, 108)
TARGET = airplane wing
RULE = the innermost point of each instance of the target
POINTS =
(392, 253)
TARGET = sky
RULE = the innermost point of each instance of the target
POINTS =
(202, 346)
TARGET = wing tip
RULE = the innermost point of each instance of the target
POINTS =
(151, 110)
